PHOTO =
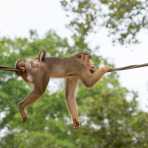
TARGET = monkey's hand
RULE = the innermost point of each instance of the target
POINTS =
(104, 69)
(20, 66)
(76, 123)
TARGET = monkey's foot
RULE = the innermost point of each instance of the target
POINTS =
(76, 123)
(23, 116)
(24, 119)
(23, 113)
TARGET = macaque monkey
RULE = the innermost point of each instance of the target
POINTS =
(39, 70)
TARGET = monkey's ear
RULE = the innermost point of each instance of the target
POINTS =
(79, 55)
(42, 55)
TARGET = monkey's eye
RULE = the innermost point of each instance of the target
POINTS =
(79, 56)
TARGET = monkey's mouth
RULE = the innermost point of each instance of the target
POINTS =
(92, 69)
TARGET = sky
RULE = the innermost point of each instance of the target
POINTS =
(17, 17)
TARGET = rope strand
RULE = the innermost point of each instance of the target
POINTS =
(6, 68)
(128, 67)
(12, 69)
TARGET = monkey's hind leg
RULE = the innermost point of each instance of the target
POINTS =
(90, 79)
(27, 101)
(39, 88)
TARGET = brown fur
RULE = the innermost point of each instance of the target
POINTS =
(39, 70)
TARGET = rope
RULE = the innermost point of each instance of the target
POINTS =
(128, 67)
(5, 68)
(12, 69)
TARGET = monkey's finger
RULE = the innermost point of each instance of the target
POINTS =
(23, 69)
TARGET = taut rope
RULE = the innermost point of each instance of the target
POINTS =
(6, 68)
(128, 67)
(12, 69)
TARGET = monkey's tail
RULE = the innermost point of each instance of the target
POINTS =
(11, 69)
(128, 67)
(42, 55)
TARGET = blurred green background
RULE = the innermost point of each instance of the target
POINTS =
(109, 113)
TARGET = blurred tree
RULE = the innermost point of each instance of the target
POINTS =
(122, 18)
(109, 113)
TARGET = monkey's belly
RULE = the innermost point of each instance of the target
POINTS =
(57, 71)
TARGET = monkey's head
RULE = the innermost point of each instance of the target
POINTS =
(87, 59)
(20, 65)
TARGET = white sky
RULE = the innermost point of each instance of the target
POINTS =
(17, 17)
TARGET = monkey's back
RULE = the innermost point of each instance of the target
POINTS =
(63, 67)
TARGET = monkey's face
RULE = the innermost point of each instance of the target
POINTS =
(87, 60)
(92, 66)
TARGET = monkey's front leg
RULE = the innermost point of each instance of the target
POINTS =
(89, 79)
(71, 84)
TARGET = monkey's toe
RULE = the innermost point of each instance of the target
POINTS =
(24, 119)
(76, 124)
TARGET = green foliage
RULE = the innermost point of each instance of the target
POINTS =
(108, 112)
(123, 18)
